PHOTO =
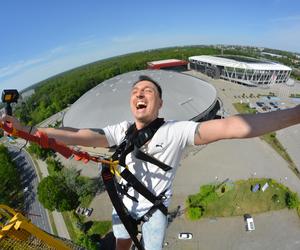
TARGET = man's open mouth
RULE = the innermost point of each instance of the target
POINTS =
(140, 105)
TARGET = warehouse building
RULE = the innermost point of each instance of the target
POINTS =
(169, 64)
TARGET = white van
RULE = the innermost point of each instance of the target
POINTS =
(185, 236)
(249, 222)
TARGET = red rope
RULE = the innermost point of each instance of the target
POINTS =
(42, 139)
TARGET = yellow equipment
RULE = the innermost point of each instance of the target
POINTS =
(18, 233)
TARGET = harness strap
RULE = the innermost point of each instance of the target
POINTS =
(139, 154)
(139, 187)
(151, 211)
(123, 190)
(142, 136)
(129, 223)
(135, 139)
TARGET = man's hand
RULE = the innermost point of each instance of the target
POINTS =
(14, 121)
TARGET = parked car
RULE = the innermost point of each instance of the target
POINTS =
(80, 210)
(88, 211)
(249, 222)
(273, 104)
(185, 236)
(260, 104)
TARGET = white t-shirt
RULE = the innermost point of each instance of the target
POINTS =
(167, 145)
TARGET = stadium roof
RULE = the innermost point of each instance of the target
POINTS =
(226, 62)
(166, 61)
(185, 97)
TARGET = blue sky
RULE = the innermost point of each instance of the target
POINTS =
(39, 39)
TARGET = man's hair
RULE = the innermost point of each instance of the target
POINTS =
(149, 79)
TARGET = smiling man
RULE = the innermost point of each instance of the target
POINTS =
(145, 101)
(150, 150)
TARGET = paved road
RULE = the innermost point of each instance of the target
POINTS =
(53, 119)
(35, 211)
(292, 145)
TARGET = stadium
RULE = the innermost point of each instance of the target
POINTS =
(243, 70)
(185, 98)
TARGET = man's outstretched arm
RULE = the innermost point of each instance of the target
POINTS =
(246, 126)
(69, 136)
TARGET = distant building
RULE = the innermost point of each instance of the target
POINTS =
(271, 54)
(27, 93)
(244, 70)
(169, 64)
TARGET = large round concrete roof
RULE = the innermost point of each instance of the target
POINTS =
(185, 97)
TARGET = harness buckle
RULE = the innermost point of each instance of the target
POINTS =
(145, 218)
(123, 190)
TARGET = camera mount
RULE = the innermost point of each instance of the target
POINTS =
(9, 96)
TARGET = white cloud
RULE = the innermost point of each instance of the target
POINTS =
(123, 39)
(18, 66)
(57, 50)
(286, 18)
(57, 60)
(283, 34)
(21, 67)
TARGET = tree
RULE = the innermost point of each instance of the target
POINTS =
(275, 197)
(53, 193)
(10, 188)
(195, 213)
(291, 200)
(71, 175)
(83, 186)
(54, 166)
(41, 153)
(88, 242)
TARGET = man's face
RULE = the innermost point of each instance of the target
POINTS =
(145, 102)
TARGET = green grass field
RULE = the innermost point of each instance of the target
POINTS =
(239, 199)
(100, 227)
(243, 108)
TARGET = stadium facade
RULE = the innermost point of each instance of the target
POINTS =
(244, 70)
(185, 98)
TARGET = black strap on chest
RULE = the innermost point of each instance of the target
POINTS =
(133, 141)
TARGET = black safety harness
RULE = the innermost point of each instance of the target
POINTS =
(133, 141)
